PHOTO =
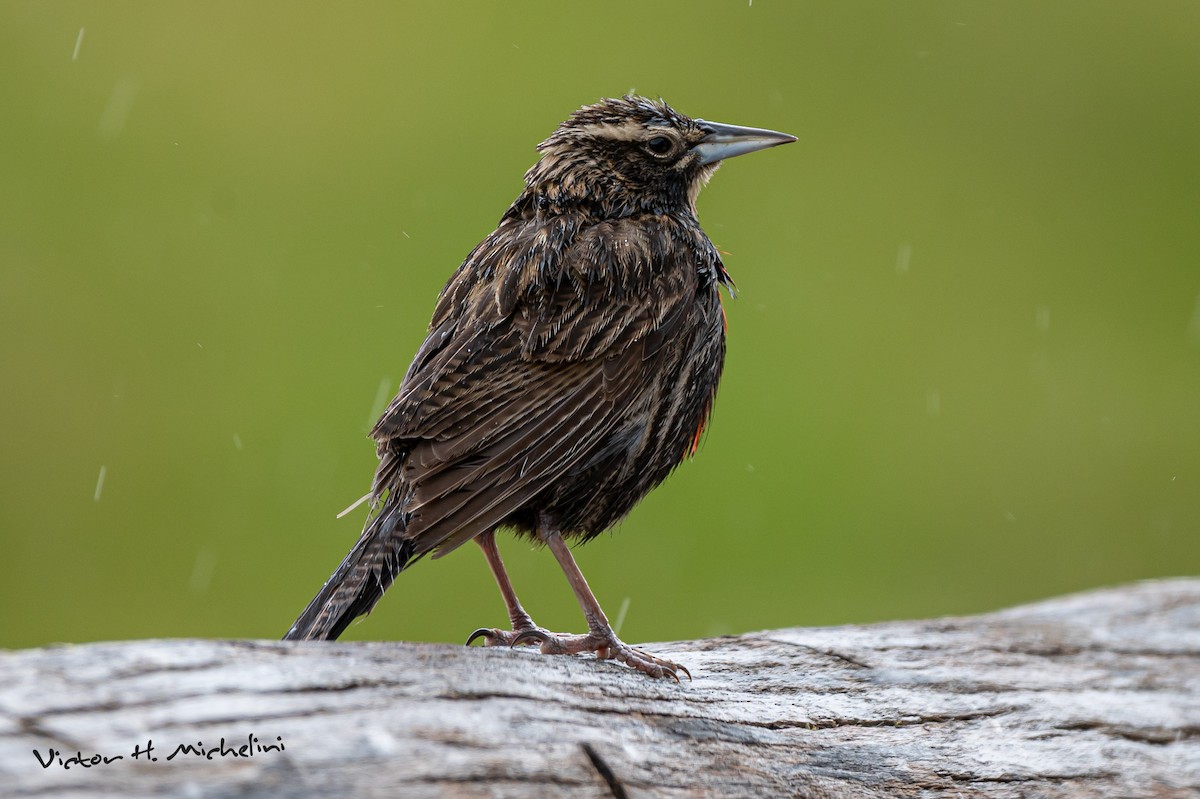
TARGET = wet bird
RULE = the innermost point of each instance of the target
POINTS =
(570, 366)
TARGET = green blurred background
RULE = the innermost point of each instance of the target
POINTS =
(964, 363)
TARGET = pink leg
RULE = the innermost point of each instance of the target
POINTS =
(600, 637)
(517, 617)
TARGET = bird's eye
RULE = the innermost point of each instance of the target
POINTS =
(659, 145)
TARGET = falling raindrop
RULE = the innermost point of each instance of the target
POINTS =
(100, 484)
(903, 256)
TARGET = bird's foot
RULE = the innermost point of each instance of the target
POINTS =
(605, 644)
(493, 636)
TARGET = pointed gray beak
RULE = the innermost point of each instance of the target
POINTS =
(726, 141)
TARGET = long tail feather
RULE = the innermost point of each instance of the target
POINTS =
(358, 583)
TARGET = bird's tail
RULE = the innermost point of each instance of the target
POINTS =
(358, 583)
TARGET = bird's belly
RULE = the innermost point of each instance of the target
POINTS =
(657, 433)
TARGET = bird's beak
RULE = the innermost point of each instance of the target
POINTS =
(726, 141)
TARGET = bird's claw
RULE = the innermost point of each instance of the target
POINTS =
(650, 664)
(482, 632)
(531, 636)
(495, 637)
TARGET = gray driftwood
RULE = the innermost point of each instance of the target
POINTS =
(1090, 695)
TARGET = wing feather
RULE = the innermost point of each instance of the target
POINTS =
(512, 391)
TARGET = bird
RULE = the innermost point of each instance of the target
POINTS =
(570, 366)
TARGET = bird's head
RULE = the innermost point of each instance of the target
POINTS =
(631, 155)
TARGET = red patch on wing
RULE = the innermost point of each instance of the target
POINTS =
(696, 438)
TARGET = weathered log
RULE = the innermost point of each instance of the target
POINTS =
(1090, 695)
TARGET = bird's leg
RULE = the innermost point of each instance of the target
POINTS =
(517, 617)
(600, 637)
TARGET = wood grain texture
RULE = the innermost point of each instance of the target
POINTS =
(1096, 694)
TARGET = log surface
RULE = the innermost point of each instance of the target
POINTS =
(1096, 694)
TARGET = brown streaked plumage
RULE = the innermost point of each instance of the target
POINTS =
(571, 364)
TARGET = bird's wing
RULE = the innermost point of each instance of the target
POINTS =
(507, 396)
